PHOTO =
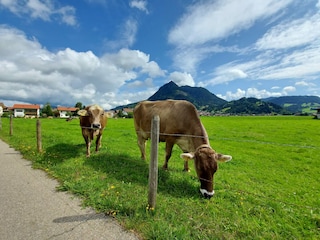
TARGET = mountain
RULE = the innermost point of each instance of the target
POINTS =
(250, 106)
(200, 97)
(210, 103)
(296, 104)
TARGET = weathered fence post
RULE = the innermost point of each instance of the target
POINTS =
(11, 126)
(39, 140)
(1, 113)
(153, 168)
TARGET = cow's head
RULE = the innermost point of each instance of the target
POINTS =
(94, 113)
(206, 164)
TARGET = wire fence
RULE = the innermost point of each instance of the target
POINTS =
(269, 198)
(178, 135)
(239, 191)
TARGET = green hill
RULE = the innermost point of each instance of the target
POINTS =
(296, 104)
(251, 106)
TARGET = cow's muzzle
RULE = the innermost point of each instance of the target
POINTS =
(96, 126)
(207, 194)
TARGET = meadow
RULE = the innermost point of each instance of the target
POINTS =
(270, 189)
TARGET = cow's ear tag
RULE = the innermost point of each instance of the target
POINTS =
(82, 112)
(187, 156)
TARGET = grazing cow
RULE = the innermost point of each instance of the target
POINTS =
(92, 121)
(181, 125)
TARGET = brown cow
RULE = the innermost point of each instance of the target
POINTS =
(181, 125)
(92, 121)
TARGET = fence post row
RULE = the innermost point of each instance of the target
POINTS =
(153, 169)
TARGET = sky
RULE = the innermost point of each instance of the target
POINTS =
(116, 52)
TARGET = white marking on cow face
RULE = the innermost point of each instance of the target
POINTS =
(95, 112)
(206, 194)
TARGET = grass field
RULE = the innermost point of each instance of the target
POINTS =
(270, 190)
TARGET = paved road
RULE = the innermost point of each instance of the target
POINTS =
(31, 208)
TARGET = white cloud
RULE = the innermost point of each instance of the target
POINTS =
(125, 37)
(275, 88)
(305, 84)
(237, 95)
(188, 59)
(288, 89)
(251, 92)
(206, 21)
(182, 78)
(130, 31)
(30, 72)
(45, 10)
(291, 34)
(135, 59)
(139, 4)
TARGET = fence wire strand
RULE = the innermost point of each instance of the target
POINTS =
(249, 141)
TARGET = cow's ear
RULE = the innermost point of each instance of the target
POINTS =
(187, 156)
(82, 112)
(223, 158)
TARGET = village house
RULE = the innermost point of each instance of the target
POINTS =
(3, 109)
(317, 115)
(26, 110)
(64, 112)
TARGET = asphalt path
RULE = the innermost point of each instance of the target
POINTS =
(31, 208)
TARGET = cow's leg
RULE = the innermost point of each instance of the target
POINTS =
(88, 144)
(186, 166)
(86, 137)
(169, 146)
(142, 146)
(98, 142)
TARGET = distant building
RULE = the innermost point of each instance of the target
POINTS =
(317, 115)
(65, 111)
(26, 110)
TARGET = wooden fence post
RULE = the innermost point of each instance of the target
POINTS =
(153, 168)
(1, 113)
(11, 126)
(39, 140)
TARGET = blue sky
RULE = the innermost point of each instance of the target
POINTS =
(114, 52)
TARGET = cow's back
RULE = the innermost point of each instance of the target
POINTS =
(176, 117)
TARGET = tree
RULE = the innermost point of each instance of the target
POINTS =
(47, 109)
(79, 105)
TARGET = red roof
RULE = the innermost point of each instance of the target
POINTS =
(70, 109)
(26, 106)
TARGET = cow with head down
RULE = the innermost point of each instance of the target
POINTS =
(92, 122)
(180, 124)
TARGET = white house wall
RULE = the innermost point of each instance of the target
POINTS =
(18, 112)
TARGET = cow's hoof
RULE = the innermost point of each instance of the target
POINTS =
(186, 170)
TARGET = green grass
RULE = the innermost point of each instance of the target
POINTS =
(270, 190)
